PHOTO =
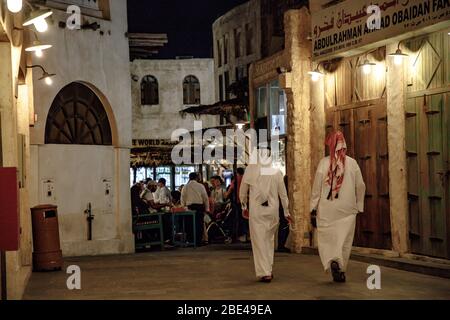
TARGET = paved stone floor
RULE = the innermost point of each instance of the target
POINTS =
(224, 273)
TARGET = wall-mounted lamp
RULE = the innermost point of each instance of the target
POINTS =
(47, 77)
(14, 6)
(37, 18)
(398, 56)
(316, 75)
(282, 70)
(367, 66)
(37, 47)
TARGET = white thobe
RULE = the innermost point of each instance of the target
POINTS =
(263, 220)
(336, 218)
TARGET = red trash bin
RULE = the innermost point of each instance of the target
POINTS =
(47, 254)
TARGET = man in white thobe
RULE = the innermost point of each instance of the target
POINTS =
(337, 197)
(162, 194)
(266, 186)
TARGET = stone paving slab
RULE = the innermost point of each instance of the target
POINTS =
(216, 274)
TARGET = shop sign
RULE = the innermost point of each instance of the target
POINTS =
(153, 143)
(356, 23)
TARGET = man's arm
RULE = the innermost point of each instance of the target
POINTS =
(183, 197)
(316, 189)
(282, 193)
(243, 193)
(230, 190)
(157, 195)
(205, 198)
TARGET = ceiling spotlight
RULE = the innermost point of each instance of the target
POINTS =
(367, 66)
(37, 17)
(14, 5)
(316, 75)
(47, 77)
(38, 48)
(398, 56)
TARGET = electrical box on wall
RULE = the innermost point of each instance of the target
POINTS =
(108, 196)
(48, 195)
(9, 210)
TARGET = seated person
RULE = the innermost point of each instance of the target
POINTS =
(148, 197)
(162, 194)
(218, 195)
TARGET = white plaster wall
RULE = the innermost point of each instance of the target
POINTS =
(158, 121)
(86, 55)
(103, 62)
(78, 180)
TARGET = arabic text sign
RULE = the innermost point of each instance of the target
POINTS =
(343, 27)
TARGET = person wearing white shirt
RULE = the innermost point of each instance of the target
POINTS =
(195, 198)
(162, 194)
(148, 196)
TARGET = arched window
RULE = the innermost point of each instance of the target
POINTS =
(149, 91)
(77, 116)
(191, 90)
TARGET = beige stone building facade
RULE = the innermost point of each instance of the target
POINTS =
(245, 34)
(16, 114)
(70, 139)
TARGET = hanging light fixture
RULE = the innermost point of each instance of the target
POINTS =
(14, 6)
(316, 75)
(398, 56)
(37, 47)
(47, 77)
(37, 17)
(367, 66)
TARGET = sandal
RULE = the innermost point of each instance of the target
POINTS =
(336, 272)
(266, 279)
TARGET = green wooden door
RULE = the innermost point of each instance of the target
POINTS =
(427, 144)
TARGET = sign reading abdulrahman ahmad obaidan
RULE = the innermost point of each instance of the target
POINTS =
(343, 27)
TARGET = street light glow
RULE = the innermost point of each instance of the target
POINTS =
(367, 66)
(316, 75)
(37, 18)
(48, 81)
(398, 57)
(41, 25)
(14, 5)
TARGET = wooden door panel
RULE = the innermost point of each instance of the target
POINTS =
(365, 130)
(427, 132)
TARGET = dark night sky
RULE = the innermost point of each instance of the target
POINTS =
(188, 23)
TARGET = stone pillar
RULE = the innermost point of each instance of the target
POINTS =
(17, 272)
(298, 48)
(123, 204)
(398, 187)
